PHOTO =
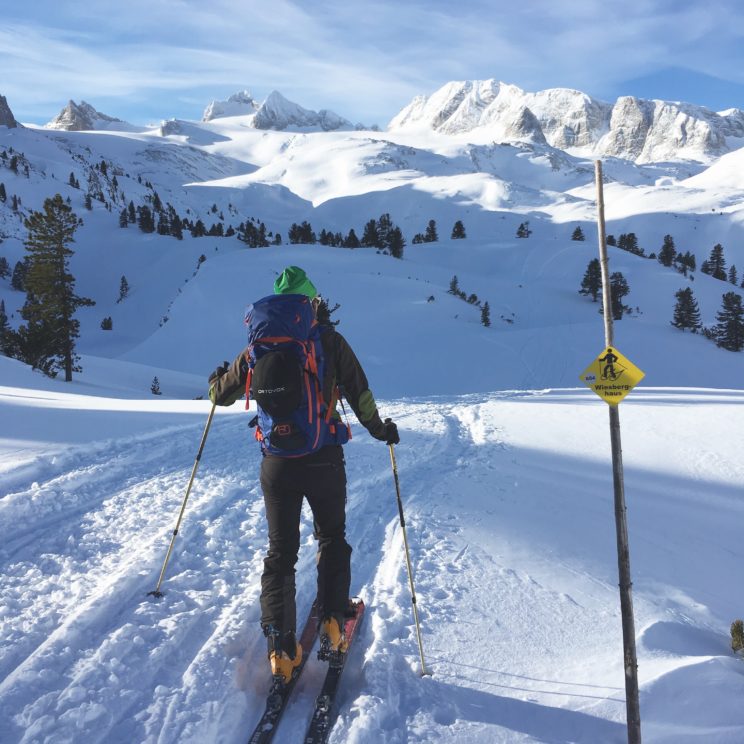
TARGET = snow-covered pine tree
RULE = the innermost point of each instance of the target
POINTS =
(578, 234)
(458, 231)
(155, 386)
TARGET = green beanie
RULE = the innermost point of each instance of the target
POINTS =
(293, 280)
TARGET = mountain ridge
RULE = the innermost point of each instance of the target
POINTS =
(632, 128)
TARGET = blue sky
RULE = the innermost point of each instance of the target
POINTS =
(147, 60)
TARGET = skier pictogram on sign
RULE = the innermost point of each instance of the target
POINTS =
(611, 376)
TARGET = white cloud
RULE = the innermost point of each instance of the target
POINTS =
(363, 59)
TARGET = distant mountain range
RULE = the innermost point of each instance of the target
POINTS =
(640, 130)
(633, 129)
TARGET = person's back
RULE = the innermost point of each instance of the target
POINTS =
(302, 368)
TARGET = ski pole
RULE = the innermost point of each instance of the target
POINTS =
(156, 592)
(408, 560)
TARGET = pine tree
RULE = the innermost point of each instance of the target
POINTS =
(618, 289)
(729, 331)
(6, 333)
(591, 284)
(107, 324)
(732, 275)
(458, 231)
(384, 230)
(4, 268)
(486, 315)
(686, 311)
(454, 287)
(88, 201)
(155, 387)
(18, 280)
(430, 234)
(370, 236)
(351, 240)
(668, 252)
(610, 240)
(578, 233)
(123, 218)
(523, 231)
(717, 263)
(131, 213)
(49, 335)
(123, 289)
(145, 220)
(397, 243)
(3, 194)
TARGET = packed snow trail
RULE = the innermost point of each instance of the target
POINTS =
(509, 511)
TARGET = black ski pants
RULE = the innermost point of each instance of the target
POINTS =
(320, 478)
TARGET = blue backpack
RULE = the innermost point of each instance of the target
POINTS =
(285, 378)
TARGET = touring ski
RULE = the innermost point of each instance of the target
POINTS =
(326, 711)
(280, 691)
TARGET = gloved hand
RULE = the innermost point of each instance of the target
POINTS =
(221, 370)
(391, 432)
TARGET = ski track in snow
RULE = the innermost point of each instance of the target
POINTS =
(88, 657)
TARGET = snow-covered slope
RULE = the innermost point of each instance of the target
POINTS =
(504, 462)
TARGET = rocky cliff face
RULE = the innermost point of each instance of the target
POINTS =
(632, 128)
(6, 115)
(83, 117)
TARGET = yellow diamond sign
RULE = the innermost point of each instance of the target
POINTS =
(611, 376)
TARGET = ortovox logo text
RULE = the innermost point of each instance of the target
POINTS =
(271, 391)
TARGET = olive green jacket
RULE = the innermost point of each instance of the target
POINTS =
(342, 370)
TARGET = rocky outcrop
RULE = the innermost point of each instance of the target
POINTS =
(83, 117)
(6, 115)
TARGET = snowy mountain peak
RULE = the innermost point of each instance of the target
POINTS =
(83, 117)
(241, 103)
(276, 112)
(631, 128)
(6, 115)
